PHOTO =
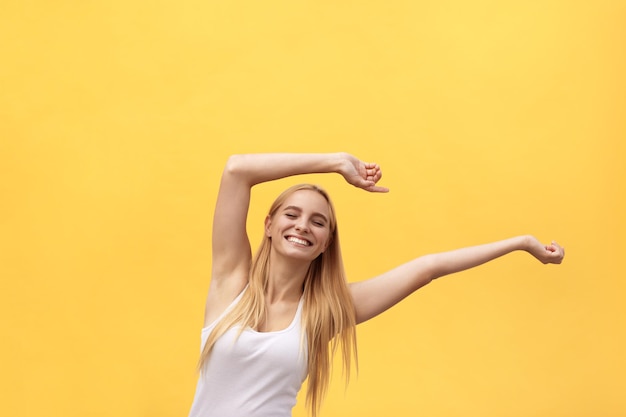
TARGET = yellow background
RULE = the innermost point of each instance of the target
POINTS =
(489, 118)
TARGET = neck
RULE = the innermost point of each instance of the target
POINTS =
(286, 279)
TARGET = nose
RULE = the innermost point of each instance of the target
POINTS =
(302, 227)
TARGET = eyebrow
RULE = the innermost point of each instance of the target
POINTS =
(296, 208)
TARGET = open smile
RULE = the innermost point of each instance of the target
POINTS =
(298, 241)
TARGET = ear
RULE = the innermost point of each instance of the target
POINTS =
(268, 225)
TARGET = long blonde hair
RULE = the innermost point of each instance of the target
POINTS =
(328, 317)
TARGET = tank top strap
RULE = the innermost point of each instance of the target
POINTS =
(227, 309)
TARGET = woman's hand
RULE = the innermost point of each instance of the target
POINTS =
(547, 254)
(361, 174)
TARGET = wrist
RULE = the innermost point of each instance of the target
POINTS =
(339, 162)
(526, 243)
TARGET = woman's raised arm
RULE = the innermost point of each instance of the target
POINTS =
(373, 296)
(231, 254)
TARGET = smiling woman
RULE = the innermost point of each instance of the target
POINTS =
(274, 319)
(302, 222)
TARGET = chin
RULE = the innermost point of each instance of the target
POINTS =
(301, 255)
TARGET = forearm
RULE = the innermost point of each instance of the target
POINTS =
(258, 168)
(458, 260)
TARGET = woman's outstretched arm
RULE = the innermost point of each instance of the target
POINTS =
(374, 296)
(231, 252)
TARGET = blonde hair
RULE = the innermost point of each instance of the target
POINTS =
(328, 317)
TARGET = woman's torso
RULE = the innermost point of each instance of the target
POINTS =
(255, 374)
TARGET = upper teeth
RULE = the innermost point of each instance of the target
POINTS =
(297, 240)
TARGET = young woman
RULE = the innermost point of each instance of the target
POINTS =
(273, 320)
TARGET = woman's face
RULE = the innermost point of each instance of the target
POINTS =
(300, 228)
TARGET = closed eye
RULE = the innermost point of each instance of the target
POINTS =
(320, 220)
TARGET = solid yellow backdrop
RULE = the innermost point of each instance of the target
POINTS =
(489, 119)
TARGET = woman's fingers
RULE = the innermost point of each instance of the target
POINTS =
(365, 175)
(556, 253)
(374, 174)
(378, 189)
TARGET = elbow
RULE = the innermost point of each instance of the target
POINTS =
(421, 272)
(428, 269)
(436, 266)
(234, 165)
(237, 167)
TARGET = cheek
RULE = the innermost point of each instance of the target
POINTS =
(327, 240)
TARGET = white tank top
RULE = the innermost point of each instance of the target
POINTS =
(258, 374)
